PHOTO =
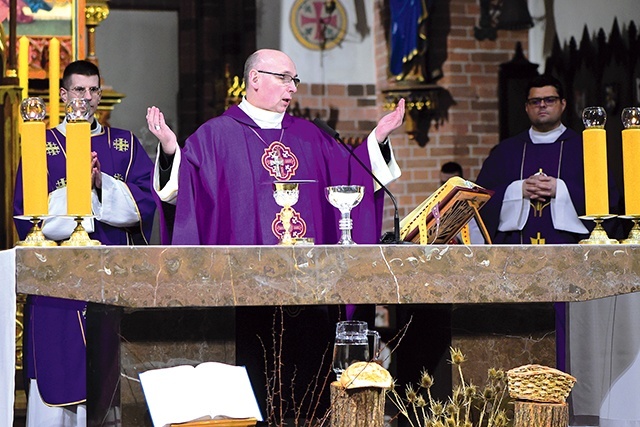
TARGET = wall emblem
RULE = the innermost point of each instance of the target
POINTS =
(318, 24)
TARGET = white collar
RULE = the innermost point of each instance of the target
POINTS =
(62, 127)
(546, 137)
(263, 118)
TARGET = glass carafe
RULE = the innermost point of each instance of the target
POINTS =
(352, 344)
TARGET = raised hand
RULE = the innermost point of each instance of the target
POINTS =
(390, 122)
(158, 127)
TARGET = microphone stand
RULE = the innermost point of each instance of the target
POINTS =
(386, 238)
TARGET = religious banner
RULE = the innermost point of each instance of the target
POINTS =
(40, 21)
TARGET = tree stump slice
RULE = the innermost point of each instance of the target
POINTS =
(358, 407)
(537, 414)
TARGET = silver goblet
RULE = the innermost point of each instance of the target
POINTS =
(345, 198)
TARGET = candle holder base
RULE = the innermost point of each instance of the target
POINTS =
(36, 237)
(599, 235)
(634, 234)
(80, 237)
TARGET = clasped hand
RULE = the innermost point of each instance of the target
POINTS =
(96, 175)
(539, 187)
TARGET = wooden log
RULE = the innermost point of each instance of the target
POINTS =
(358, 407)
(537, 414)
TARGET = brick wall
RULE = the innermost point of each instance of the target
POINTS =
(471, 77)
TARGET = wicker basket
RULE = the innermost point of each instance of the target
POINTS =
(539, 384)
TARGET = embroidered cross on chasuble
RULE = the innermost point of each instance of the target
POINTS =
(281, 163)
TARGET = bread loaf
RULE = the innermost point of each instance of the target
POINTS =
(365, 374)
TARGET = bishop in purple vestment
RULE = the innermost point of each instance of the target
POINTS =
(221, 184)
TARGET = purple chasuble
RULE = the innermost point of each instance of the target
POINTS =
(225, 194)
(55, 350)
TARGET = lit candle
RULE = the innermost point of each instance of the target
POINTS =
(34, 158)
(78, 159)
(630, 157)
(23, 66)
(54, 82)
(594, 142)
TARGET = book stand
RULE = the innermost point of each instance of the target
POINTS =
(444, 213)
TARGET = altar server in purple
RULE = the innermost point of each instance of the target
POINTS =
(538, 176)
(122, 209)
(538, 179)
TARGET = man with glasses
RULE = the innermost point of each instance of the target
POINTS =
(229, 164)
(538, 179)
(122, 208)
(538, 176)
(223, 195)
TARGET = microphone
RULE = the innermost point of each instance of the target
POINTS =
(386, 238)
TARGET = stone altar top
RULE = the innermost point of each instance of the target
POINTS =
(210, 276)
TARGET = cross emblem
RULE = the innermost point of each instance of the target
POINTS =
(52, 149)
(297, 227)
(279, 161)
(319, 25)
(61, 183)
(538, 240)
(118, 176)
(121, 144)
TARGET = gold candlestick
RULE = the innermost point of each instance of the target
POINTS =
(598, 235)
(634, 234)
(79, 170)
(35, 195)
(36, 237)
(596, 188)
(80, 237)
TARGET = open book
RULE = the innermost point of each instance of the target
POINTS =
(440, 217)
(204, 392)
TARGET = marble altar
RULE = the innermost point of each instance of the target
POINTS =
(227, 276)
(192, 277)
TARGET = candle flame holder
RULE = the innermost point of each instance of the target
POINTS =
(80, 237)
(36, 237)
(598, 235)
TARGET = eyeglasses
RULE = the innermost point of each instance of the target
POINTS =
(80, 91)
(548, 100)
(286, 78)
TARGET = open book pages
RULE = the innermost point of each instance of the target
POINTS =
(441, 216)
(209, 390)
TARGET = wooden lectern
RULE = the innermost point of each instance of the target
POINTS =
(444, 213)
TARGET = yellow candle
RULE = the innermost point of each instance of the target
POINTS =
(596, 192)
(54, 82)
(630, 159)
(23, 66)
(34, 169)
(79, 168)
